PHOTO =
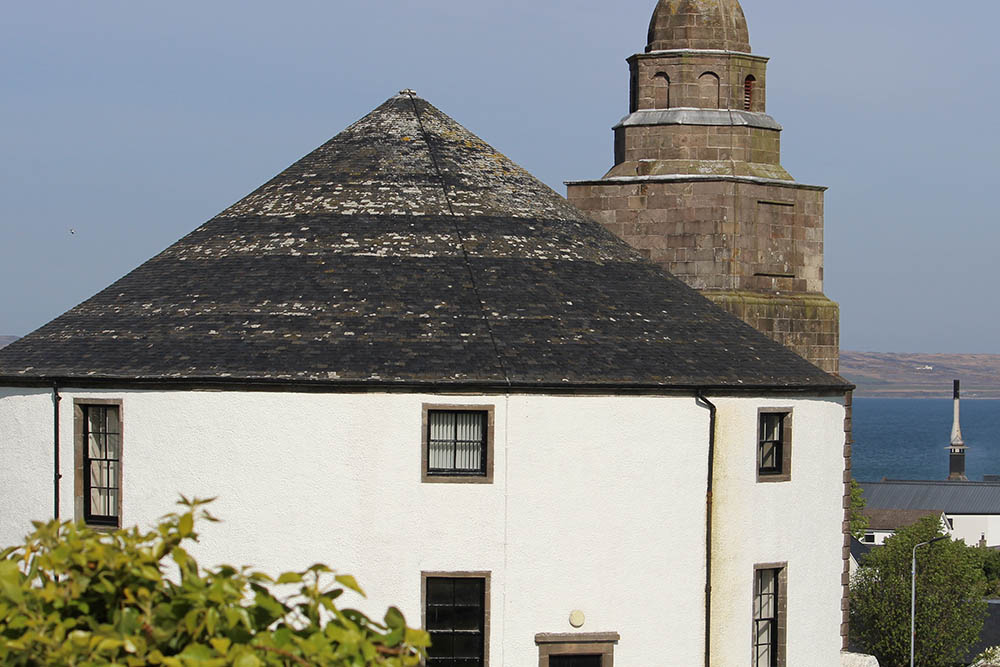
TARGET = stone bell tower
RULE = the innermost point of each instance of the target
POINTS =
(698, 184)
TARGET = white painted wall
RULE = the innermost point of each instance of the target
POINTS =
(798, 522)
(26, 456)
(879, 535)
(970, 528)
(973, 527)
(597, 504)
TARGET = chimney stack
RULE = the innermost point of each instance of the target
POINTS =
(957, 447)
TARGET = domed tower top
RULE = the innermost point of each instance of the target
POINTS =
(699, 24)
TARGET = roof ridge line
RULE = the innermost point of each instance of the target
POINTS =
(458, 233)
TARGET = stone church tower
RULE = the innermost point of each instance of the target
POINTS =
(698, 184)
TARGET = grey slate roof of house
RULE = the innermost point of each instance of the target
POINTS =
(951, 497)
(894, 519)
(859, 549)
(405, 251)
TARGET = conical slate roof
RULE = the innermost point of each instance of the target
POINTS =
(404, 251)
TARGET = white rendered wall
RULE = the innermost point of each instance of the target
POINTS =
(973, 527)
(880, 537)
(597, 504)
(27, 490)
(798, 522)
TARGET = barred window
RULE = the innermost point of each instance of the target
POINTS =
(456, 442)
(101, 464)
(456, 618)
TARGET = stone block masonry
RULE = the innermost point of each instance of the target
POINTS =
(756, 249)
(697, 184)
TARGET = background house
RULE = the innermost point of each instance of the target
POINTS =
(971, 509)
(883, 523)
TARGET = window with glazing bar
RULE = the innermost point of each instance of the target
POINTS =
(456, 616)
(100, 441)
(774, 446)
(768, 621)
(457, 443)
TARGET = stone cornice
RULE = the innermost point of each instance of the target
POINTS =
(682, 178)
(700, 52)
(692, 116)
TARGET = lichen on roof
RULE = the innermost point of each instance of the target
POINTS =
(405, 250)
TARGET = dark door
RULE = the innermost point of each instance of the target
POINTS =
(574, 661)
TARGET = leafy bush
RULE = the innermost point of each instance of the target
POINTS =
(988, 658)
(950, 608)
(858, 521)
(991, 569)
(73, 596)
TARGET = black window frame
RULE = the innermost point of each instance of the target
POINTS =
(777, 451)
(113, 425)
(777, 620)
(432, 612)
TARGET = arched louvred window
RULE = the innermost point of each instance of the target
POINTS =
(661, 91)
(748, 85)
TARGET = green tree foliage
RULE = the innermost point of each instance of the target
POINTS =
(858, 521)
(72, 596)
(950, 606)
(991, 570)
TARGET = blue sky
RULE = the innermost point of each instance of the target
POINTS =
(133, 122)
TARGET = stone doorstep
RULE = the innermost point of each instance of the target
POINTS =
(857, 660)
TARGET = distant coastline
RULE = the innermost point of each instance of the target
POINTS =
(890, 375)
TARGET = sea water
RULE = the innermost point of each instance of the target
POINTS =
(907, 438)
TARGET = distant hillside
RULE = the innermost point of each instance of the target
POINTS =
(922, 375)
(7, 340)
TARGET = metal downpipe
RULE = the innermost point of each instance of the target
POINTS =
(56, 399)
(702, 400)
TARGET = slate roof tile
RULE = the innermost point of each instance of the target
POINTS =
(405, 251)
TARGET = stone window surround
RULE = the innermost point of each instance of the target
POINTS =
(427, 478)
(782, 609)
(577, 643)
(786, 446)
(486, 576)
(79, 485)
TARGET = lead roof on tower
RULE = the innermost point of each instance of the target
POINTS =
(699, 24)
(405, 251)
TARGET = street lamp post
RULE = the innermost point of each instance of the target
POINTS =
(913, 593)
